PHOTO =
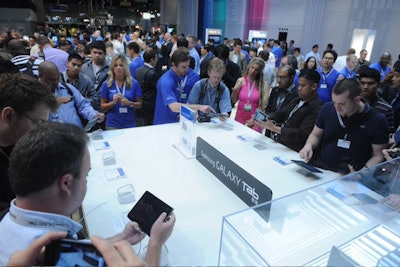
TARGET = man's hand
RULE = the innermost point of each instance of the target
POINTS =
(33, 255)
(117, 254)
(64, 99)
(131, 233)
(162, 228)
(206, 109)
(100, 117)
(306, 152)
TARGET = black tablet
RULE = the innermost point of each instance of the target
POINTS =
(147, 210)
(90, 124)
(213, 115)
(306, 166)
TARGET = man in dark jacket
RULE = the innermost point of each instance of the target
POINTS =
(292, 124)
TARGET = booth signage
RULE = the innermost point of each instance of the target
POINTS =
(240, 182)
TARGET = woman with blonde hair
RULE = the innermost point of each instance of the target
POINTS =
(120, 95)
(251, 91)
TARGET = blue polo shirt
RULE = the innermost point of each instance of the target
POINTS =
(383, 72)
(326, 84)
(136, 63)
(172, 89)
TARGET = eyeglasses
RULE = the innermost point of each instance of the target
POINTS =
(34, 121)
(282, 77)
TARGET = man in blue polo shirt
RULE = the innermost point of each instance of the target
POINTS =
(382, 65)
(173, 89)
(329, 76)
(349, 133)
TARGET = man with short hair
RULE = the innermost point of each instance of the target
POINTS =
(237, 57)
(294, 122)
(329, 76)
(314, 53)
(291, 48)
(97, 68)
(147, 77)
(382, 65)
(137, 60)
(349, 133)
(369, 80)
(79, 80)
(362, 62)
(48, 170)
(348, 69)
(117, 43)
(24, 103)
(173, 89)
(268, 71)
(57, 56)
(192, 43)
(211, 91)
(72, 103)
(285, 92)
(278, 52)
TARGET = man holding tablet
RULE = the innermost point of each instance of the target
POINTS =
(48, 170)
(294, 122)
(212, 91)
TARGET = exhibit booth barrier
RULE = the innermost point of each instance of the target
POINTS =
(352, 221)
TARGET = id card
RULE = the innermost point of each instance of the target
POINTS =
(123, 110)
(114, 174)
(343, 143)
(247, 107)
(324, 86)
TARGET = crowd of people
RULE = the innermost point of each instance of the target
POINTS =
(341, 113)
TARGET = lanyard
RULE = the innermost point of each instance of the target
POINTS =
(299, 105)
(325, 76)
(182, 84)
(119, 91)
(340, 120)
(250, 92)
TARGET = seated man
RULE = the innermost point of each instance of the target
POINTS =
(48, 170)
(294, 122)
(369, 79)
(212, 91)
(72, 103)
(285, 92)
(24, 102)
(349, 132)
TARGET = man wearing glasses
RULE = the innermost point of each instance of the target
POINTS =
(24, 102)
(286, 90)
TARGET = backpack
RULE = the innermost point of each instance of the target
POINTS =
(203, 91)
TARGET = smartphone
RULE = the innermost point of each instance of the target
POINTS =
(306, 166)
(147, 210)
(69, 252)
(260, 116)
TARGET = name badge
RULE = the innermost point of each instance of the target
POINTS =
(247, 107)
(343, 143)
(123, 110)
(324, 86)
(183, 95)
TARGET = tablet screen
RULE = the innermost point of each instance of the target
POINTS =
(147, 210)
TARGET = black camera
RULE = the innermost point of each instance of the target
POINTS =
(394, 154)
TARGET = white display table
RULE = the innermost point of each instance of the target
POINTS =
(150, 162)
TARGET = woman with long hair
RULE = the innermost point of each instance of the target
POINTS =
(120, 95)
(251, 91)
(311, 63)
